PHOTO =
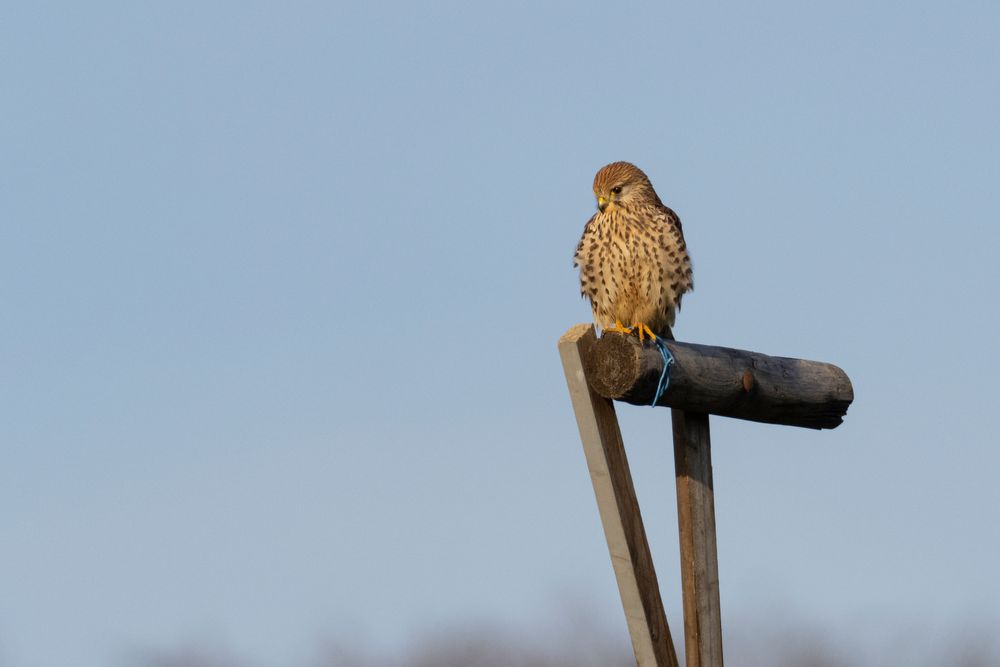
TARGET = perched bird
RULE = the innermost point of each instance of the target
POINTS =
(634, 265)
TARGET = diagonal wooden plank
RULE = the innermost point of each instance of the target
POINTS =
(618, 507)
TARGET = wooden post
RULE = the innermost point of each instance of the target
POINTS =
(696, 528)
(699, 554)
(618, 507)
(703, 380)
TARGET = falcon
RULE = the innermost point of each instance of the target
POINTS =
(634, 264)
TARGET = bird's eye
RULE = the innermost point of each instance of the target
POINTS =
(617, 190)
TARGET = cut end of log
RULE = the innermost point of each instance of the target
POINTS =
(612, 365)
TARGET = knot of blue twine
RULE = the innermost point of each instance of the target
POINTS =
(668, 359)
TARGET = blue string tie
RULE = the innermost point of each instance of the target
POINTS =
(668, 360)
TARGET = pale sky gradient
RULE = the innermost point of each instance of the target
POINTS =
(282, 284)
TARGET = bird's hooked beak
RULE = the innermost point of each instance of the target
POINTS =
(602, 203)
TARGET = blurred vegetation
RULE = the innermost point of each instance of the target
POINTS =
(487, 646)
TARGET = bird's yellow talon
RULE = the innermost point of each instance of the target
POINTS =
(620, 328)
(641, 329)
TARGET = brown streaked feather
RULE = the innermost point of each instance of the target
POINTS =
(634, 265)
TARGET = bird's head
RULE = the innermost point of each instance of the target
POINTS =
(622, 183)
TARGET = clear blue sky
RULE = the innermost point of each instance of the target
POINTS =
(282, 283)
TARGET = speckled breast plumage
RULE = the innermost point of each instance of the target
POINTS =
(634, 266)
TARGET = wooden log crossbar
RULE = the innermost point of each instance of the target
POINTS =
(721, 381)
(703, 380)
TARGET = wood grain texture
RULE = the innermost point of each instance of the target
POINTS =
(722, 381)
(699, 552)
(618, 507)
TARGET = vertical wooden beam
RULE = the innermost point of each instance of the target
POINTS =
(618, 507)
(699, 554)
